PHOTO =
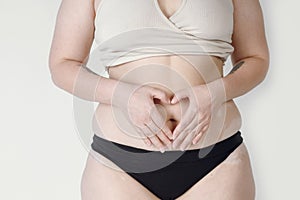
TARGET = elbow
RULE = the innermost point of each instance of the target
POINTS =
(55, 76)
(59, 76)
(55, 81)
(263, 68)
(53, 72)
(265, 63)
(260, 65)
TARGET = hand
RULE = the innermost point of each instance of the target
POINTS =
(137, 102)
(196, 119)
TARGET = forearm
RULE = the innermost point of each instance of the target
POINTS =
(72, 77)
(241, 79)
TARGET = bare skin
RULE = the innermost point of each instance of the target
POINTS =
(100, 172)
(108, 125)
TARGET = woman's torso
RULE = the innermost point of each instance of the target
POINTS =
(169, 73)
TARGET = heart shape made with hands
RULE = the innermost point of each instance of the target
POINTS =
(169, 100)
(188, 129)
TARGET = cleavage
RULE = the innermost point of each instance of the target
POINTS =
(169, 7)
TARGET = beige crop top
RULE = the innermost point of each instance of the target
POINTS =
(127, 30)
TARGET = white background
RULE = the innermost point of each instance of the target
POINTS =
(41, 155)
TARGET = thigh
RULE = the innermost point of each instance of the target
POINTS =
(102, 179)
(230, 180)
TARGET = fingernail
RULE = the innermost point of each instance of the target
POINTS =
(162, 149)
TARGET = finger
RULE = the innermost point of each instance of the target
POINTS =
(161, 95)
(154, 139)
(179, 95)
(143, 136)
(189, 137)
(181, 137)
(156, 128)
(160, 134)
(160, 121)
(146, 131)
(205, 127)
(156, 142)
(187, 142)
(199, 135)
(168, 133)
(147, 141)
(193, 126)
(186, 120)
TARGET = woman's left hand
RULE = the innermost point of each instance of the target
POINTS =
(196, 118)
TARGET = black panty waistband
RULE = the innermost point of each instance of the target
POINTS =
(128, 156)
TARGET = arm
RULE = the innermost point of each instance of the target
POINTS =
(72, 40)
(251, 56)
(73, 37)
(251, 62)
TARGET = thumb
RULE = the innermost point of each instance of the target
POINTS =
(178, 96)
(159, 94)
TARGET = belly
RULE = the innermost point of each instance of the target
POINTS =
(170, 74)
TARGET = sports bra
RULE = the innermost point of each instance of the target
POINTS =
(127, 30)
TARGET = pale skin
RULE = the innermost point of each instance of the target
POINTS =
(70, 47)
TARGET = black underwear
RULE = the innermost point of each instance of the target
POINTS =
(170, 174)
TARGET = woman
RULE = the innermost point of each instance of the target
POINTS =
(166, 126)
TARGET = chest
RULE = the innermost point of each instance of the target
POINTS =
(212, 19)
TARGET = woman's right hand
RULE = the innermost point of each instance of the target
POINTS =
(137, 103)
